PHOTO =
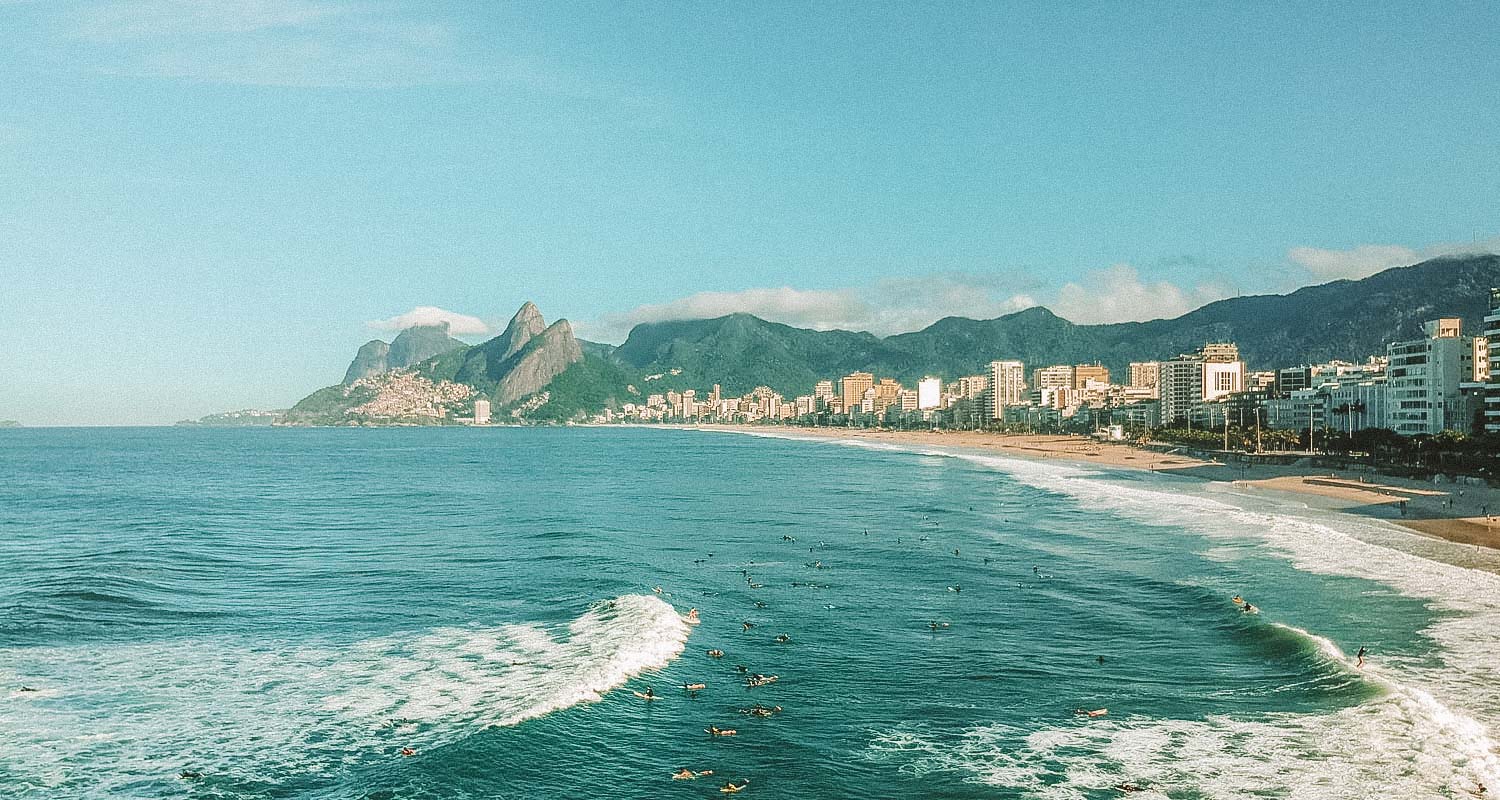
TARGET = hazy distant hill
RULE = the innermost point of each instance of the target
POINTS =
(1342, 319)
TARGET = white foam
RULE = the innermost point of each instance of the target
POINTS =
(128, 712)
(1412, 742)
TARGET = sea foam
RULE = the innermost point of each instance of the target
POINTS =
(114, 718)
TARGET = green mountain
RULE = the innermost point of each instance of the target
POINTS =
(1343, 319)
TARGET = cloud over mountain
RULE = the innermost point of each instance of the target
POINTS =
(458, 324)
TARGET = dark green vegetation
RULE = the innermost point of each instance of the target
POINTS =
(1343, 319)
(584, 388)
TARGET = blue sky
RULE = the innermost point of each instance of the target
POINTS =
(209, 206)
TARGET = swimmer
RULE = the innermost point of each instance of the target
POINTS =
(190, 775)
(955, 551)
(684, 774)
(783, 639)
(760, 604)
(747, 625)
(716, 654)
(656, 589)
(1101, 659)
(713, 730)
(1250, 609)
(740, 668)
(1361, 658)
(1098, 712)
(407, 751)
(1036, 570)
(955, 588)
(693, 687)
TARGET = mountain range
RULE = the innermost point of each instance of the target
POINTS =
(1345, 319)
(543, 372)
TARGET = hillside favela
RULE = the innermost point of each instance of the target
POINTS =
(550, 400)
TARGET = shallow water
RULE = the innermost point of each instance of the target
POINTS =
(281, 611)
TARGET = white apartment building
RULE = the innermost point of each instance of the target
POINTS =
(1492, 384)
(1007, 386)
(1424, 379)
(929, 394)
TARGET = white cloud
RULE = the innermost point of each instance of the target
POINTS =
(458, 324)
(1365, 260)
(302, 43)
(890, 306)
(1117, 294)
(1358, 262)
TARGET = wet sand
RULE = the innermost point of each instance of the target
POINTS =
(1463, 514)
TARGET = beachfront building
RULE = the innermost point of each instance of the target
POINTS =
(1492, 383)
(1188, 383)
(1006, 386)
(481, 412)
(1424, 379)
(852, 388)
(1180, 388)
(929, 394)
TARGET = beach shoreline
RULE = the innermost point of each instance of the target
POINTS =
(1459, 514)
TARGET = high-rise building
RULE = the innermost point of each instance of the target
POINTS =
(1059, 376)
(1220, 352)
(1492, 385)
(1424, 379)
(929, 394)
(887, 394)
(823, 390)
(1007, 386)
(908, 400)
(853, 386)
(1083, 373)
(1180, 387)
(481, 412)
(1145, 375)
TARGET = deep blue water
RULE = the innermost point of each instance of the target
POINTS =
(279, 612)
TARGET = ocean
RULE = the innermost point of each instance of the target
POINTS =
(470, 613)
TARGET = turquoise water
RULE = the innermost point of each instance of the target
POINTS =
(280, 612)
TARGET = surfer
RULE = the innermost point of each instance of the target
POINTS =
(732, 787)
(1237, 600)
(1250, 609)
(716, 654)
(684, 774)
(1360, 658)
(748, 624)
(955, 588)
(714, 730)
(1098, 712)
(692, 617)
(190, 775)
(783, 639)
(407, 751)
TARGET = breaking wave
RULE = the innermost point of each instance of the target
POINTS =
(263, 712)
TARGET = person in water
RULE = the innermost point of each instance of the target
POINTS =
(650, 694)
(1360, 657)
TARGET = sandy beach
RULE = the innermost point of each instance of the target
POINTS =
(1463, 514)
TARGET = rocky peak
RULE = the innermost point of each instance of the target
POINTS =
(523, 326)
(543, 358)
(372, 359)
(419, 343)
